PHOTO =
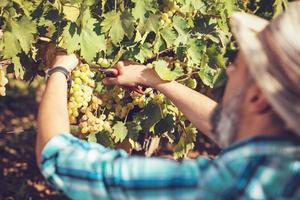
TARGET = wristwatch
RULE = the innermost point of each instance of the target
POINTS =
(61, 70)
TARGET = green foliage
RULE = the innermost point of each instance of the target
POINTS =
(119, 131)
(187, 40)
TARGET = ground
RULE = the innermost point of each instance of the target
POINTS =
(19, 175)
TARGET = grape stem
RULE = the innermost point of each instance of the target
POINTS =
(125, 120)
(187, 76)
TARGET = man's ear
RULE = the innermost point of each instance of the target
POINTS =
(256, 101)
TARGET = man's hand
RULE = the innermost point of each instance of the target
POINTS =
(133, 75)
(67, 61)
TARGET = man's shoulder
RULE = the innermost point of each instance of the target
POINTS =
(268, 165)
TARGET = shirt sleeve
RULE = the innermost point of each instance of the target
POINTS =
(83, 170)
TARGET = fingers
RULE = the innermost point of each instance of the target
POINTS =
(110, 81)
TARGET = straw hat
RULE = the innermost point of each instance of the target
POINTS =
(272, 53)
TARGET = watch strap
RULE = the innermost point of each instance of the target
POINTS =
(61, 70)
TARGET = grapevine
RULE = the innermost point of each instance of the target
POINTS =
(184, 40)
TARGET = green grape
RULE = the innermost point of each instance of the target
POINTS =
(138, 99)
(111, 116)
(165, 16)
(112, 98)
(90, 123)
(80, 93)
(168, 21)
(158, 98)
(103, 62)
(191, 83)
(130, 106)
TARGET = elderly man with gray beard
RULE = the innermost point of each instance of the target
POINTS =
(257, 124)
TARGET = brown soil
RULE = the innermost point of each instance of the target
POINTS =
(19, 175)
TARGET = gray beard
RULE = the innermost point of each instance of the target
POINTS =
(225, 120)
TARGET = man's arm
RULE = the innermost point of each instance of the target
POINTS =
(53, 113)
(195, 106)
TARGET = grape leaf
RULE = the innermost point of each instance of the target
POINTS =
(119, 131)
(164, 125)
(141, 7)
(169, 35)
(71, 12)
(152, 23)
(11, 45)
(151, 115)
(104, 139)
(207, 75)
(144, 52)
(128, 24)
(195, 50)
(4, 3)
(159, 44)
(139, 37)
(90, 42)
(230, 6)
(216, 56)
(219, 78)
(92, 137)
(161, 67)
(70, 41)
(198, 5)
(18, 68)
(204, 25)
(180, 25)
(134, 129)
(23, 30)
(279, 6)
(112, 23)
(186, 143)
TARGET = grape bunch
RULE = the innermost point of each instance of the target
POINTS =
(138, 99)
(80, 92)
(170, 9)
(3, 82)
(158, 98)
(90, 122)
(116, 99)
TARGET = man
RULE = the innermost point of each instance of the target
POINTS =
(258, 124)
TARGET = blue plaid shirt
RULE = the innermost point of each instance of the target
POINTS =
(258, 168)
